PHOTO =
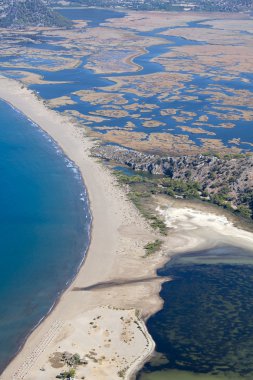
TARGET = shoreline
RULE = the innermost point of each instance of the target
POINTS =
(17, 95)
(114, 279)
(84, 252)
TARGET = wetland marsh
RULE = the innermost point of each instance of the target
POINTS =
(182, 90)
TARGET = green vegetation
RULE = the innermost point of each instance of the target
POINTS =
(67, 374)
(162, 185)
(141, 187)
(72, 361)
(233, 156)
(76, 359)
(244, 211)
(188, 189)
(155, 222)
(246, 208)
(153, 247)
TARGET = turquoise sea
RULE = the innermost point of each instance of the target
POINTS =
(44, 227)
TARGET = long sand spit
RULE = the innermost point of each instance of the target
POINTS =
(96, 317)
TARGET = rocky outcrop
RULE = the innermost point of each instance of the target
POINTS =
(229, 177)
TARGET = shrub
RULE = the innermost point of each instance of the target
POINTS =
(244, 211)
(152, 247)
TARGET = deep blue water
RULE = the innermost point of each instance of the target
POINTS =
(44, 227)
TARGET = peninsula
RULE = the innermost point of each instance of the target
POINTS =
(155, 109)
(100, 317)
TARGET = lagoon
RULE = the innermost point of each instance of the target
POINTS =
(205, 328)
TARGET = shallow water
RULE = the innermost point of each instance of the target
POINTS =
(44, 227)
(94, 16)
(193, 83)
(205, 330)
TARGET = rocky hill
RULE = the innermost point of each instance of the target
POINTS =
(24, 13)
(226, 181)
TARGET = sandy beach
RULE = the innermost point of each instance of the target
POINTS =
(115, 258)
(96, 317)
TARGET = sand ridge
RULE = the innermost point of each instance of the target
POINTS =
(115, 256)
(96, 317)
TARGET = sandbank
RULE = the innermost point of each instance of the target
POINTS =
(114, 260)
(97, 315)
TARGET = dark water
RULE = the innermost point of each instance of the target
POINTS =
(44, 227)
(94, 16)
(205, 330)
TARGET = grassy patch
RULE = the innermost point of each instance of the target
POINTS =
(140, 188)
(142, 202)
(153, 247)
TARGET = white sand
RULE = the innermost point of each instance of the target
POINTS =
(115, 254)
(115, 259)
(203, 228)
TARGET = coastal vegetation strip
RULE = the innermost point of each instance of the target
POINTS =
(226, 181)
